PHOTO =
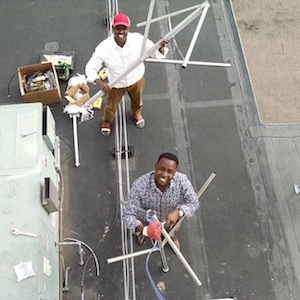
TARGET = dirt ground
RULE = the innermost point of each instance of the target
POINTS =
(270, 34)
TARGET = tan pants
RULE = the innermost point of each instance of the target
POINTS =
(114, 97)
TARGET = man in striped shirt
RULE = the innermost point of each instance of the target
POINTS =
(166, 191)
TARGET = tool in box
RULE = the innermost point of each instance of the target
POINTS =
(63, 62)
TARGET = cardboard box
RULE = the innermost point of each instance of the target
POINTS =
(46, 96)
(82, 90)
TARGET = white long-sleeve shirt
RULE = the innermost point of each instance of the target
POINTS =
(117, 59)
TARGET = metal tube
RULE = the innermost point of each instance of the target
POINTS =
(121, 205)
(176, 13)
(88, 247)
(57, 153)
(164, 262)
(118, 154)
(150, 11)
(206, 184)
(173, 230)
(196, 63)
(132, 269)
(126, 148)
(175, 30)
(109, 17)
(130, 255)
(195, 36)
(66, 285)
(224, 299)
(80, 251)
(67, 243)
(181, 257)
(77, 163)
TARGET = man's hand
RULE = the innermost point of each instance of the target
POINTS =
(103, 86)
(172, 218)
(162, 44)
(153, 230)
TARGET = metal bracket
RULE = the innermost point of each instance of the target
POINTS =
(130, 152)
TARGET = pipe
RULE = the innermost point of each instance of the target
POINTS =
(150, 11)
(176, 13)
(89, 248)
(206, 184)
(124, 229)
(173, 230)
(130, 255)
(77, 163)
(195, 36)
(181, 257)
(66, 286)
(195, 63)
(80, 251)
(118, 155)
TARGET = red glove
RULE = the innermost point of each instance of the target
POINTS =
(153, 230)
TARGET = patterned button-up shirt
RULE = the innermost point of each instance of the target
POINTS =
(145, 195)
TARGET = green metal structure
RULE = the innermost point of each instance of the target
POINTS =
(29, 203)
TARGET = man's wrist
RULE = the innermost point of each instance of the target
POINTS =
(139, 230)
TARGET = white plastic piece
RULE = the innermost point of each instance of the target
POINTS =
(24, 270)
(297, 188)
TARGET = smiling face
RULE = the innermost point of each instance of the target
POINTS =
(120, 34)
(165, 170)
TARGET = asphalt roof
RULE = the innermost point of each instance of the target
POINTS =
(241, 243)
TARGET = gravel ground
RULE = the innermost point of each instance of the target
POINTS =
(270, 34)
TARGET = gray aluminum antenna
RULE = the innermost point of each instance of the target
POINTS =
(186, 60)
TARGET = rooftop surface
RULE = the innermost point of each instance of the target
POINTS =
(243, 241)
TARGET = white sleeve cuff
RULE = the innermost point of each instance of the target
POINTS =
(144, 232)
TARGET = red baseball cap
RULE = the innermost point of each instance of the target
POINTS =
(121, 19)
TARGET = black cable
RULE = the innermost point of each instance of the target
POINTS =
(106, 232)
(104, 235)
(8, 86)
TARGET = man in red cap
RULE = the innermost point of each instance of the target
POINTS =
(117, 53)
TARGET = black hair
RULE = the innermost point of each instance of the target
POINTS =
(169, 156)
